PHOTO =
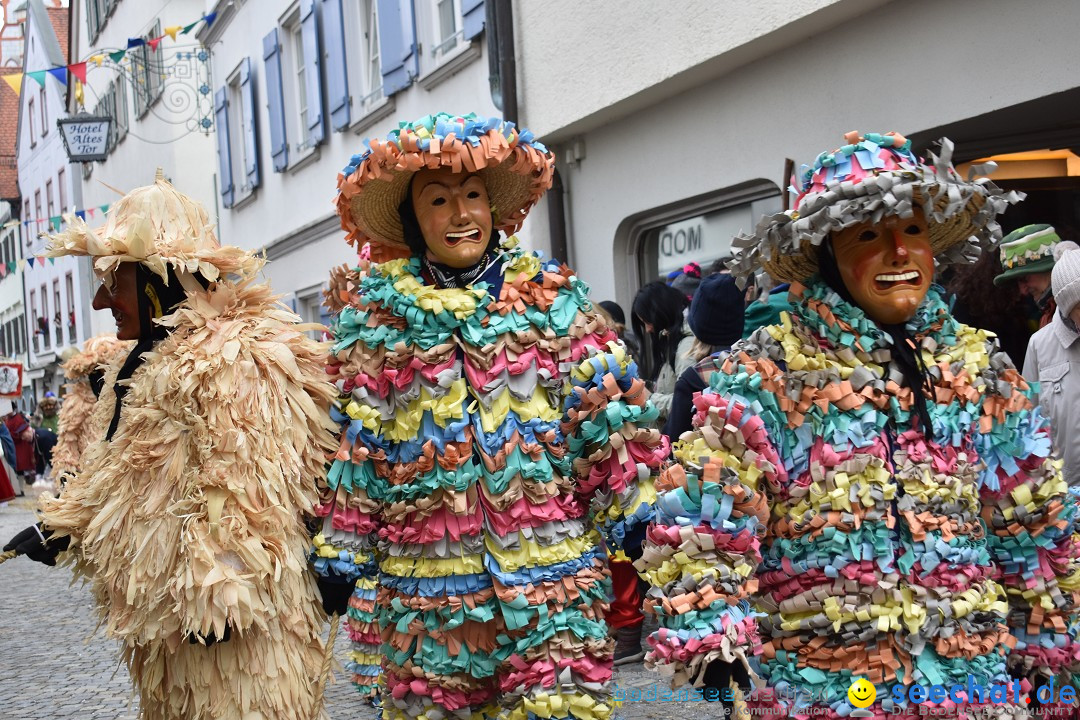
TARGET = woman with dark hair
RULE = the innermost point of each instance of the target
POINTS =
(657, 315)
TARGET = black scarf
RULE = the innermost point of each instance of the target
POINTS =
(904, 346)
(450, 277)
(156, 299)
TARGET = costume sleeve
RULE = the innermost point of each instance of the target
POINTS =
(1029, 515)
(609, 424)
(702, 552)
(228, 432)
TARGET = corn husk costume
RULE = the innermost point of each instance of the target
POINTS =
(188, 519)
(490, 433)
(76, 431)
(816, 529)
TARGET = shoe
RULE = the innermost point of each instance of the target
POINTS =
(628, 645)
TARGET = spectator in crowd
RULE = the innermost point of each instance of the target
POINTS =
(716, 319)
(47, 414)
(658, 320)
(1053, 359)
(1027, 255)
(980, 304)
(23, 436)
(10, 487)
(618, 318)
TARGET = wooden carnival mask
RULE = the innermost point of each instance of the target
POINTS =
(887, 267)
(454, 214)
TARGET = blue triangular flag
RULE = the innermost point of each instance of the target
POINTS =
(81, 214)
(31, 261)
(135, 42)
(60, 73)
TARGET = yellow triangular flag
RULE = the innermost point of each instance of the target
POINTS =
(22, 264)
(79, 92)
(171, 31)
(15, 81)
(98, 59)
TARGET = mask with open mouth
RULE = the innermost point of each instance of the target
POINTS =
(454, 215)
(887, 267)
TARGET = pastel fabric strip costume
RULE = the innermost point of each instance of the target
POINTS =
(815, 530)
(823, 538)
(191, 520)
(489, 438)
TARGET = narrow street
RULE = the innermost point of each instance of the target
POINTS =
(54, 667)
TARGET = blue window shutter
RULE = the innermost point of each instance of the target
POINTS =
(472, 13)
(275, 103)
(221, 114)
(247, 117)
(397, 45)
(337, 77)
(309, 28)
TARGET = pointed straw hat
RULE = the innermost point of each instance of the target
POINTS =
(159, 227)
(517, 170)
(872, 177)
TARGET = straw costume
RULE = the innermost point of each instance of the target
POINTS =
(83, 370)
(490, 433)
(830, 518)
(188, 517)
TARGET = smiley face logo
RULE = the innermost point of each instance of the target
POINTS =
(862, 693)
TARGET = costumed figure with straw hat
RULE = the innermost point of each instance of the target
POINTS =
(85, 370)
(869, 492)
(493, 427)
(188, 516)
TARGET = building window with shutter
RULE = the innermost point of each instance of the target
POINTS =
(44, 111)
(148, 73)
(33, 119)
(301, 61)
(243, 141)
(370, 32)
(447, 32)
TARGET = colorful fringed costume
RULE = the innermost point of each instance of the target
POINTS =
(189, 521)
(491, 433)
(77, 432)
(815, 530)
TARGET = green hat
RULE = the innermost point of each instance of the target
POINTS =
(1027, 250)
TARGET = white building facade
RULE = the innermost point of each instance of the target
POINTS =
(158, 96)
(298, 85)
(672, 122)
(57, 293)
(13, 336)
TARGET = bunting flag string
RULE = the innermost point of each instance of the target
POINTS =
(60, 72)
(54, 223)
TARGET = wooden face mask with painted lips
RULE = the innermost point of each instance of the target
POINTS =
(454, 214)
(887, 267)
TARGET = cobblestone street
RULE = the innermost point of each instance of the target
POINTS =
(53, 666)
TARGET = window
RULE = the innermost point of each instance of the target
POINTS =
(242, 151)
(20, 339)
(439, 23)
(37, 213)
(371, 89)
(49, 199)
(97, 14)
(447, 30)
(43, 319)
(26, 211)
(61, 183)
(58, 320)
(296, 38)
(148, 73)
(69, 286)
(44, 111)
(33, 119)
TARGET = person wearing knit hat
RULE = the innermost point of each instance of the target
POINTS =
(1053, 359)
(493, 429)
(716, 317)
(188, 514)
(1027, 256)
(869, 490)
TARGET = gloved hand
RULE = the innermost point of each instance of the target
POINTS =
(210, 638)
(34, 543)
(335, 594)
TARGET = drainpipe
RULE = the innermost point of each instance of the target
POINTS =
(502, 66)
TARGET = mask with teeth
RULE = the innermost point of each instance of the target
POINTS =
(454, 215)
(886, 267)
